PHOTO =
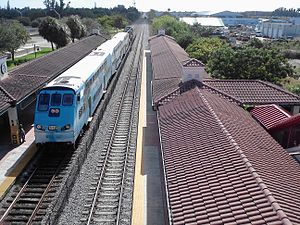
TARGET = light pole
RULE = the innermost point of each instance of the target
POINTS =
(52, 9)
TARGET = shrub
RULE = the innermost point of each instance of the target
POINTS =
(35, 23)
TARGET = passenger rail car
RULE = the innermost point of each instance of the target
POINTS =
(65, 105)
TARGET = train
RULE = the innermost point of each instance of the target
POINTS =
(66, 104)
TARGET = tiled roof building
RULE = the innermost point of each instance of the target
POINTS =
(269, 115)
(254, 92)
(168, 58)
(221, 166)
(30, 77)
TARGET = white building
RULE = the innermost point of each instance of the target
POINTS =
(204, 21)
(279, 28)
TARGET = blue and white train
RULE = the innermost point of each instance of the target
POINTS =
(65, 105)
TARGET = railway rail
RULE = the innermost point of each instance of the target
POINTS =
(29, 202)
(109, 198)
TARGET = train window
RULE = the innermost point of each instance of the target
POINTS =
(67, 99)
(55, 99)
(43, 102)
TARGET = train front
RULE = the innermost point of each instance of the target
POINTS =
(54, 116)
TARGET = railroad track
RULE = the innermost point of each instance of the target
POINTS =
(109, 193)
(29, 202)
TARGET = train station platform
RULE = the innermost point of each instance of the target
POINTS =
(13, 159)
(149, 204)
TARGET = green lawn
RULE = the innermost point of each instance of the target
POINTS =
(291, 84)
(11, 64)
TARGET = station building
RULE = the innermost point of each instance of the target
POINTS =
(221, 166)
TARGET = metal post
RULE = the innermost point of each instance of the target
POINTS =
(18, 11)
(52, 9)
(34, 49)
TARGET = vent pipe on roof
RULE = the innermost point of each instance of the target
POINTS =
(193, 69)
(3, 66)
(161, 32)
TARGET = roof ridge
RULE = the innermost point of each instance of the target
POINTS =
(271, 199)
(172, 51)
(222, 93)
(8, 94)
(188, 85)
(278, 88)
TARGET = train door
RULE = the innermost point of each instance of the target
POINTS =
(104, 83)
(90, 106)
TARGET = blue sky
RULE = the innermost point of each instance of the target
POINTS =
(174, 5)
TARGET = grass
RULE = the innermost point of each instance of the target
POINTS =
(291, 84)
(11, 64)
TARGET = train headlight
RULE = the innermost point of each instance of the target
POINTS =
(52, 128)
(39, 127)
(66, 127)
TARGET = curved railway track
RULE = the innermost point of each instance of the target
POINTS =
(29, 202)
(115, 169)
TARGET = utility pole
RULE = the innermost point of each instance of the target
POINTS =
(52, 9)
(18, 11)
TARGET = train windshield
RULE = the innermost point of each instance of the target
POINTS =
(43, 102)
(55, 99)
(68, 99)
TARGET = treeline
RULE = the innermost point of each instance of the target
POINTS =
(28, 16)
(284, 12)
(65, 25)
(254, 60)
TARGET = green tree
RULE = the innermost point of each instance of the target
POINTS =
(12, 36)
(151, 14)
(106, 22)
(91, 24)
(175, 28)
(132, 14)
(201, 31)
(77, 28)
(119, 21)
(50, 4)
(54, 32)
(201, 48)
(249, 63)
(255, 43)
(24, 21)
(116, 21)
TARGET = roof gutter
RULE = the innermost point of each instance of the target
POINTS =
(164, 172)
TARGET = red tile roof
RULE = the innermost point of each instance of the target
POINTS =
(5, 99)
(269, 115)
(29, 77)
(286, 123)
(168, 56)
(167, 60)
(254, 92)
(222, 167)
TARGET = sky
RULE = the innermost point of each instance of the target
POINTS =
(173, 5)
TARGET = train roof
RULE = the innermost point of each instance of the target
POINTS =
(111, 44)
(75, 76)
(120, 35)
